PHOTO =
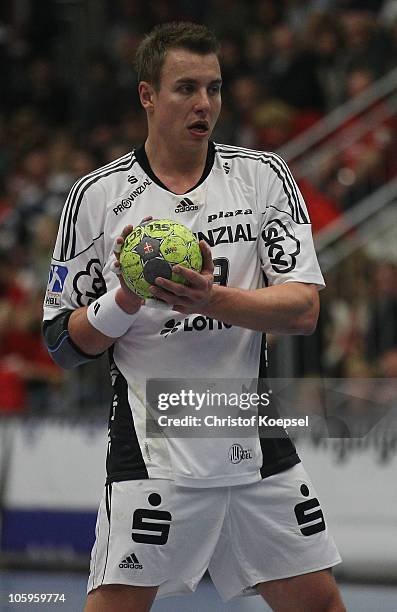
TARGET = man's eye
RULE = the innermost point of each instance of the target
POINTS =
(215, 89)
(186, 88)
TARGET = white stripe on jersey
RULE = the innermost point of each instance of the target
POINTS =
(278, 166)
(70, 212)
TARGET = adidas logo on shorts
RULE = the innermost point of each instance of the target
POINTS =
(130, 562)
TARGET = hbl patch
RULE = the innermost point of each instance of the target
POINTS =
(56, 282)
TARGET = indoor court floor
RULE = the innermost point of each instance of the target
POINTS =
(358, 598)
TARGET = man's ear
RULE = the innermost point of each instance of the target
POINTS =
(146, 92)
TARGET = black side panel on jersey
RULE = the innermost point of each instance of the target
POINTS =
(60, 345)
(124, 458)
(278, 453)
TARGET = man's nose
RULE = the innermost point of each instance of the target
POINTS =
(202, 101)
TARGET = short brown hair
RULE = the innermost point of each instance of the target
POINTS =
(150, 55)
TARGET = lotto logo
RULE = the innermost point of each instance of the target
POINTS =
(196, 324)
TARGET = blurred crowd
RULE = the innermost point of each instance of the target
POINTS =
(69, 104)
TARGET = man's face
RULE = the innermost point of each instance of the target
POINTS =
(188, 102)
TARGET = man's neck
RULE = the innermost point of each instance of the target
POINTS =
(178, 170)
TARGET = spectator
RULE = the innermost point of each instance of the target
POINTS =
(25, 363)
(39, 89)
(367, 44)
(245, 97)
(325, 39)
(293, 74)
(358, 169)
(97, 101)
(381, 336)
(257, 56)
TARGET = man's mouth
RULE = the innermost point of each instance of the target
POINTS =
(200, 127)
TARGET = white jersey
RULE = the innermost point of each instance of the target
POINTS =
(249, 210)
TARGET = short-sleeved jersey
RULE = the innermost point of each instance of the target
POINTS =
(247, 207)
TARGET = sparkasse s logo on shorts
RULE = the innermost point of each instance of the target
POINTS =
(237, 453)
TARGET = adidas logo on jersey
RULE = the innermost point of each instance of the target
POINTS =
(186, 205)
(130, 562)
(228, 213)
(198, 323)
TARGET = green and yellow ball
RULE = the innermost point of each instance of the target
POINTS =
(151, 250)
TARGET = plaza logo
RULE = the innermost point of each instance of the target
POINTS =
(237, 453)
(186, 205)
(127, 202)
(197, 323)
(222, 214)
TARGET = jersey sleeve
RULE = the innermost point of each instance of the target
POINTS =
(286, 248)
(75, 277)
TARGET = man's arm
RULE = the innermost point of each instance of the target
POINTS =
(289, 308)
(87, 337)
(292, 308)
(73, 338)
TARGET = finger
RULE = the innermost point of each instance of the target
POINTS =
(208, 264)
(127, 230)
(123, 284)
(168, 285)
(168, 296)
(118, 245)
(162, 295)
(145, 220)
(115, 267)
(182, 309)
(195, 279)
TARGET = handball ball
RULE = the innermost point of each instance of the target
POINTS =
(151, 250)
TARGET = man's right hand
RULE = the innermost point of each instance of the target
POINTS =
(128, 301)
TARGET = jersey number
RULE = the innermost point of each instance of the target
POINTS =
(221, 271)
